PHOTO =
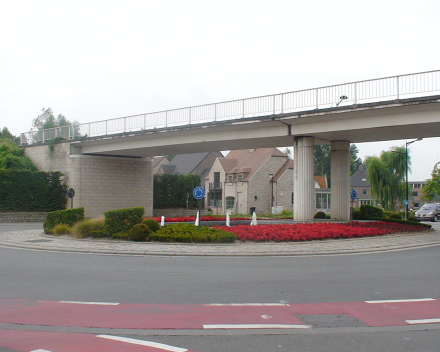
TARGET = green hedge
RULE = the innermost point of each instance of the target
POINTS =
(182, 232)
(122, 219)
(66, 217)
(32, 191)
(368, 212)
(170, 191)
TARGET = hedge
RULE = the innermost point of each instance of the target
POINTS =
(368, 212)
(66, 217)
(122, 219)
(170, 191)
(32, 191)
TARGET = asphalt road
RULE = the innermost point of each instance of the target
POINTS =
(406, 274)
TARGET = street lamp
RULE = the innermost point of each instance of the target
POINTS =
(271, 192)
(406, 176)
(406, 159)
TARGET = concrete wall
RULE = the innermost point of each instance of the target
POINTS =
(101, 183)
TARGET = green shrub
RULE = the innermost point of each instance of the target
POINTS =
(31, 190)
(61, 229)
(89, 228)
(152, 224)
(386, 214)
(122, 219)
(356, 214)
(401, 221)
(123, 235)
(139, 232)
(66, 217)
(320, 215)
(412, 218)
(182, 232)
(368, 212)
(395, 216)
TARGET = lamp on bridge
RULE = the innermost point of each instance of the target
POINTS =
(342, 97)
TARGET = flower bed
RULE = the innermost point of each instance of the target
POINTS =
(317, 231)
(192, 219)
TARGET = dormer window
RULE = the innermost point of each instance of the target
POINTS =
(240, 178)
(230, 178)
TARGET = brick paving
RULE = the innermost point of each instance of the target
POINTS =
(37, 240)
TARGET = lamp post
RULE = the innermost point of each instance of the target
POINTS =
(406, 160)
(271, 192)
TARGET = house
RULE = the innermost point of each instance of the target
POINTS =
(359, 183)
(158, 161)
(259, 180)
(187, 164)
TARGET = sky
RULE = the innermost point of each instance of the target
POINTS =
(95, 60)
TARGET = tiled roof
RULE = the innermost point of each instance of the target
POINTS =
(248, 161)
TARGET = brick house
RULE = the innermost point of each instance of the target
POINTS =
(358, 182)
(249, 180)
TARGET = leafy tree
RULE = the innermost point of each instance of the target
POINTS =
(170, 191)
(12, 157)
(47, 120)
(385, 175)
(322, 156)
(432, 188)
(355, 162)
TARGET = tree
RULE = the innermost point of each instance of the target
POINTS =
(322, 156)
(386, 174)
(47, 120)
(355, 162)
(432, 188)
(13, 158)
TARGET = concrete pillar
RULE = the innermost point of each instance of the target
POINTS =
(340, 180)
(303, 180)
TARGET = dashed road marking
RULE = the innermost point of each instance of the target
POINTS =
(94, 303)
(403, 300)
(255, 326)
(247, 304)
(423, 321)
(144, 343)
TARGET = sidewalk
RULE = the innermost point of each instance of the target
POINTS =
(37, 240)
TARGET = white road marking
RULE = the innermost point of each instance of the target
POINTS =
(40, 350)
(403, 300)
(96, 303)
(247, 304)
(423, 321)
(255, 326)
(144, 343)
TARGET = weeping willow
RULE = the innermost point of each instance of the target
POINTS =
(386, 175)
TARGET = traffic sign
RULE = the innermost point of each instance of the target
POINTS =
(70, 193)
(198, 192)
(353, 194)
(405, 202)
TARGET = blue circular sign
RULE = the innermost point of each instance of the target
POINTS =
(353, 194)
(198, 192)
(405, 202)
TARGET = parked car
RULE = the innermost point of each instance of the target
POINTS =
(428, 211)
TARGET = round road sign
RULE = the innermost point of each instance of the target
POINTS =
(198, 192)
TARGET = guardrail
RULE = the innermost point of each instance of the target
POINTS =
(374, 90)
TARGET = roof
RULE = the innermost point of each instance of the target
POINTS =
(248, 161)
(359, 179)
(321, 181)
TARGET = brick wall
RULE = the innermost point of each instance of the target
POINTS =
(101, 183)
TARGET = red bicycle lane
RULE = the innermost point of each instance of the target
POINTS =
(210, 316)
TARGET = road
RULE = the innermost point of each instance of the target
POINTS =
(141, 284)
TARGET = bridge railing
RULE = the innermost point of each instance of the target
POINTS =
(374, 90)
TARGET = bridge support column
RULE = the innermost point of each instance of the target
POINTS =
(340, 182)
(303, 180)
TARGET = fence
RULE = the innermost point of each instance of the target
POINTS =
(397, 87)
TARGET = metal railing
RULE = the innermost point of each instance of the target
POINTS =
(374, 90)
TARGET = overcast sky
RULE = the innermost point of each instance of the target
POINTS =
(95, 60)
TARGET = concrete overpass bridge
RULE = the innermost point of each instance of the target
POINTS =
(399, 107)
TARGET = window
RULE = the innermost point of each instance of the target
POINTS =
(364, 192)
(240, 178)
(230, 178)
(230, 202)
(255, 198)
(322, 201)
(415, 194)
(366, 201)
